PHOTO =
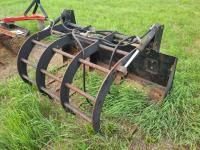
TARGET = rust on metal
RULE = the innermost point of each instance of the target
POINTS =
(40, 43)
(80, 92)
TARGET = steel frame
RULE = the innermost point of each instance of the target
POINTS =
(128, 61)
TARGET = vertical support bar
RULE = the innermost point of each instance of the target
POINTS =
(158, 38)
(35, 9)
(29, 7)
(43, 11)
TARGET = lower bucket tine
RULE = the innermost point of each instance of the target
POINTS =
(134, 58)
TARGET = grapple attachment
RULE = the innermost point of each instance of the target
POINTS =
(115, 55)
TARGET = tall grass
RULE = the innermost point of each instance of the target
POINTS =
(29, 121)
(23, 125)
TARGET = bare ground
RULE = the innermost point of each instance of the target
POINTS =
(7, 63)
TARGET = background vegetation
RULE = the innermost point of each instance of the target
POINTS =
(29, 121)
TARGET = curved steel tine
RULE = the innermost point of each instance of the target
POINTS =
(104, 90)
(27, 48)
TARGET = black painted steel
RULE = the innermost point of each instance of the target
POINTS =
(104, 90)
(46, 58)
(143, 59)
(28, 46)
(71, 71)
(73, 67)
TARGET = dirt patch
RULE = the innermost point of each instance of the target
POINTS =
(14, 44)
(8, 65)
(140, 143)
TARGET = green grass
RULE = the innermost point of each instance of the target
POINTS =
(30, 121)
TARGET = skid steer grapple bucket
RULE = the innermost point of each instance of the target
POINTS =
(115, 55)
